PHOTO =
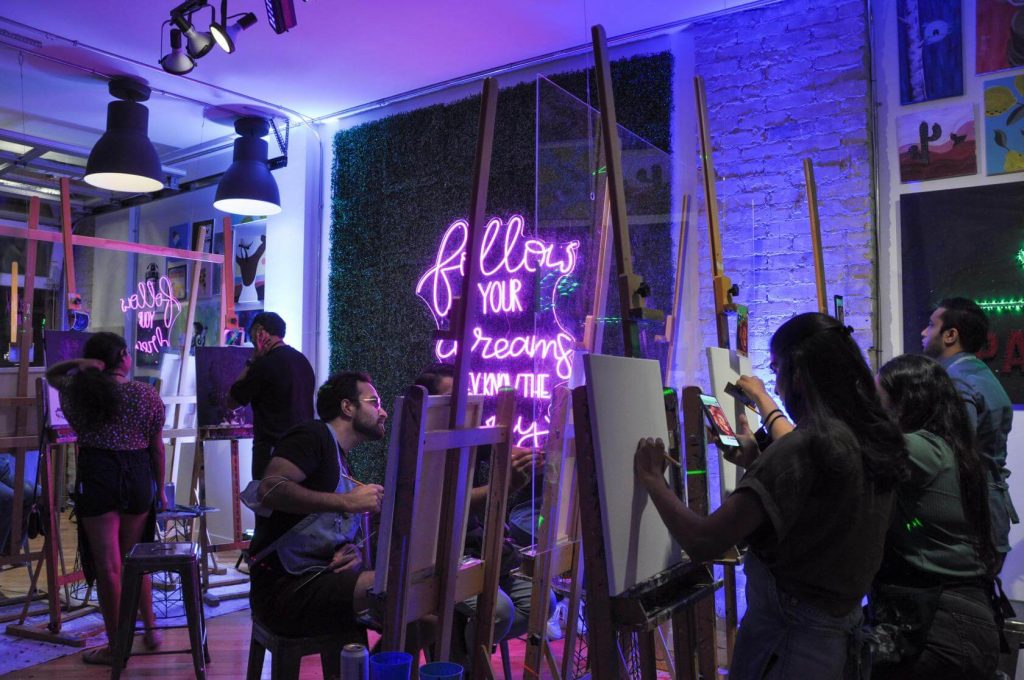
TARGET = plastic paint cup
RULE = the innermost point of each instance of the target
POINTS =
(441, 670)
(390, 666)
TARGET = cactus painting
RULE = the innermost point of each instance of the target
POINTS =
(937, 143)
(1004, 125)
(931, 50)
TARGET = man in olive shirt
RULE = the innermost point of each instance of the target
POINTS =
(279, 383)
(956, 331)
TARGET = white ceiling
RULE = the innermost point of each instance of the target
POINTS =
(341, 54)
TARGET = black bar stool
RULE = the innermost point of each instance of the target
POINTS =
(286, 653)
(146, 558)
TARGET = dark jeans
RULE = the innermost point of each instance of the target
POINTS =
(962, 642)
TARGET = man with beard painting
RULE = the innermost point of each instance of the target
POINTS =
(306, 566)
(957, 330)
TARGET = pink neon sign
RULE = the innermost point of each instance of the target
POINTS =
(519, 342)
(156, 309)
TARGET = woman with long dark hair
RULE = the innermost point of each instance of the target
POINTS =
(118, 422)
(930, 601)
(813, 507)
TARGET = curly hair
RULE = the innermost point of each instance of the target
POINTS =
(924, 397)
(94, 391)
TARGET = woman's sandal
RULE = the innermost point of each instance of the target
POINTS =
(101, 656)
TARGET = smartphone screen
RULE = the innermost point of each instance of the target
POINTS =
(738, 394)
(718, 421)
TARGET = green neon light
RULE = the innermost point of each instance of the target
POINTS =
(540, 521)
(696, 472)
(1020, 257)
(1003, 304)
(914, 524)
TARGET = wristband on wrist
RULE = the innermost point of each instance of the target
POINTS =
(771, 422)
(768, 416)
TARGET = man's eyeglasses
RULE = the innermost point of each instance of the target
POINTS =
(372, 400)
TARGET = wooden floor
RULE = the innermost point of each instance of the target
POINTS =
(228, 640)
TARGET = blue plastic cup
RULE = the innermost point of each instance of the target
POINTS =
(390, 666)
(441, 670)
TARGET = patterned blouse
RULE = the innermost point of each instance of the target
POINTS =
(140, 416)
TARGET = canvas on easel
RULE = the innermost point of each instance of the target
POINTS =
(626, 404)
(726, 366)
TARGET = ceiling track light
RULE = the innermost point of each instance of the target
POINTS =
(223, 34)
(177, 62)
(123, 159)
(247, 186)
(199, 42)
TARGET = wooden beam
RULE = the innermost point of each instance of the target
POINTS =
(110, 244)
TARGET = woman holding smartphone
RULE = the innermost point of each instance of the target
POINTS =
(814, 508)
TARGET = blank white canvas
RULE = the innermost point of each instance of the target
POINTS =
(626, 405)
(726, 366)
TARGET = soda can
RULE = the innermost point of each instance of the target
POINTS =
(355, 662)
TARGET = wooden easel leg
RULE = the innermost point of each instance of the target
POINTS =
(572, 617)
(731, 611)
(706, 646)
(647, 653)
(683, 643)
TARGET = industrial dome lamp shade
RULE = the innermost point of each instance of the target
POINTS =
(225, 35)
(177, 62)
(247, 187)
(124, 159)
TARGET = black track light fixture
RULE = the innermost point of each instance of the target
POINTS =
(199, 42)
(224, 35)
(177, 61)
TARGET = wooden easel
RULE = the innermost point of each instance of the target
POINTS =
(676, 590)
(724, 290)
(52, 447)
(409, 596)
(815, 224)
(411, 563)
(232, 434)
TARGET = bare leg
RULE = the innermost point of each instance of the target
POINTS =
(131, 534)
(103, 532)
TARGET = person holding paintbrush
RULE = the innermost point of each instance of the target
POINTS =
(814, 507)
(306, 566)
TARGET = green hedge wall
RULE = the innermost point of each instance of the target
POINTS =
(398, 182)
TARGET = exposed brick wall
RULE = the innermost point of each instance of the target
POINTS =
(785, 82)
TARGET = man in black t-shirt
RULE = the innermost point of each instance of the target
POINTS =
(307, 575)
(279, 382)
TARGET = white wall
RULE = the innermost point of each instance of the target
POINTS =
(886, 59)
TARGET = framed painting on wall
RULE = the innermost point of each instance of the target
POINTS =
(930, 50)
(999, 35)
(937, 143)
(1004, 125)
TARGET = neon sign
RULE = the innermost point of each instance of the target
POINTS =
(156, 309)
(520, 342)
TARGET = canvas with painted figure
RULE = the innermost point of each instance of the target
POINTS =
(61, 346)
(217, 368)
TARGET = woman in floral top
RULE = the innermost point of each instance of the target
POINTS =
(120, 469)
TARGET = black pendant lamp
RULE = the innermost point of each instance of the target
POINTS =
(247, 187)
(124, 159)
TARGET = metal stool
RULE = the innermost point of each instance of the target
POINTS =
(146, 558)
(287, 652)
